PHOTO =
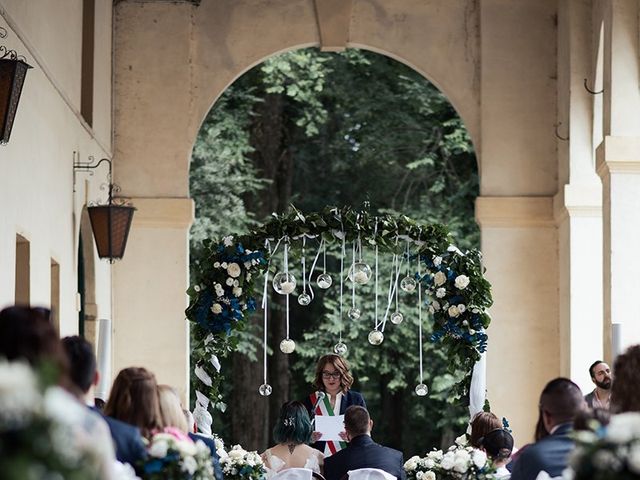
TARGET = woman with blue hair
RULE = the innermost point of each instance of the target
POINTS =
(292, 433)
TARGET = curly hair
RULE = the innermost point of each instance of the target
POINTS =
(340, 364)
(481, 424)
(625, 396)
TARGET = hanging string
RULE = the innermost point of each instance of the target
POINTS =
(341, 278)
(304, 267)
(286, 270)
(267, 245)
(401, 259)
(375, 235)
(397, 265)
(420, 314)
(353, 283)
(313, 267)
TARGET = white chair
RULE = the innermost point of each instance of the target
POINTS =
(369, 474)
(294, 474)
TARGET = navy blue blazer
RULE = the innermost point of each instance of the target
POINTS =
(214, 455)
(348, 399)
(550, 454)
(126, 439)
(363, 452)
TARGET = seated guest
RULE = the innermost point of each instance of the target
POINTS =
(498, 444)
(291, 432)
(362, 451)
(84, 375)
(560, 402)
(625, 390)
(134, 400)
(481, 424)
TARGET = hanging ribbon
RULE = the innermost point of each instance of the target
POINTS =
(267, 246)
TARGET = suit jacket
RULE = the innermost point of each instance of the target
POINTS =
(550, 454)
(363, 452)
(348, 399)
(214, 455)
(126, 439)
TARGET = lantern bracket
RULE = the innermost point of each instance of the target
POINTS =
(90, 166)
(9, 54)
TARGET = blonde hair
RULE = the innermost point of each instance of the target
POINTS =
(170, 409)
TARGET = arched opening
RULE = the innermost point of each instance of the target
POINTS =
(320, 129)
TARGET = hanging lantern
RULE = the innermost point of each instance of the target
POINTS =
(13, 71)
(111, 225)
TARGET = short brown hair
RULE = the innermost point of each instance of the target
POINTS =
(481, 424)
(340, 364)
(356, 420)
(625, 396)
(134, 400)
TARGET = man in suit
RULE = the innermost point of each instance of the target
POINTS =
(362, 451)
(84, 375)
(601, 377)
(560, 402)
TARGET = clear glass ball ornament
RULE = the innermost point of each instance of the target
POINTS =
(284, 283)
(287, 346)
(360, 273)
(265, 390)
(304, 299)
(354, 313)
(324, 281)
(421, 389)
(397, 318)
(340, 348)
(376, 337)
(408, 284)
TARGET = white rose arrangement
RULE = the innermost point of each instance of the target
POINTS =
(173, 455)
(240, 464)
(459, 462)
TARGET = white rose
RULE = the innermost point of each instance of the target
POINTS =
(436, 305)
(435, 454)
(419, 475)
(447, 461)
(219, 291)
(196, 288)
(233, 269)
(429, 475)
(189, 465)
(437, 261)
(248, 276)
(159, 449)
(633, 459)
(479, 458)
(439, 279)
(412, 463)
(216, 308)
(460, 465)
(428, 463)
(461, 440)
(461, 282)
(229, 281)
(216, 265)
(228, 240)
(247, 264)
(453, 311)
(237, 291)
(462, 308)
(441, 292)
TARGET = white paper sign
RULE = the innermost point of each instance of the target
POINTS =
(330, 426)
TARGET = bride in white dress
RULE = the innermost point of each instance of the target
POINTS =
(291, 433)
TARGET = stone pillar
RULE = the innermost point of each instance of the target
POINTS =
(519, 243)
(149, 284)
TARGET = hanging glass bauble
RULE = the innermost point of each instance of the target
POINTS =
(354, 313)
(324, 281)
(287, 345)
(340, 348)
(304, 299)
(421, 389)
(284, 283)
(360, 273)
(408, 284)
(376, 337)
(265, 389)
(397, 318)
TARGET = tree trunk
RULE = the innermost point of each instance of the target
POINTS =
(392, 404)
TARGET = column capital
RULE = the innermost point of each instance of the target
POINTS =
(618, 155)
(162, 212)
(515, 212)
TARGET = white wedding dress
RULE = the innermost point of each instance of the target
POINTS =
(274, 464)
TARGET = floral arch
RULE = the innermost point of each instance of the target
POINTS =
(237, 274)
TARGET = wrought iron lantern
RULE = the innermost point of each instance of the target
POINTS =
(13, 71)
(110, 223)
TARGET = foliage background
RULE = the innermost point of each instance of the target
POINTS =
(315, 129)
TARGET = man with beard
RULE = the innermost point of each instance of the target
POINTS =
(601, 376)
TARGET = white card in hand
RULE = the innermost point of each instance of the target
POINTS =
(330, 426)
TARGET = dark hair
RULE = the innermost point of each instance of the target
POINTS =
(562, 400)
(540, 431)
(593, 366)
(82, 361)
(625, 396)
(134, 400)
(498, 444)
(27, 334)
(356, 420)
(340, 364)
(587, 419)
(293, 425)
(99, 403)
(481, 424)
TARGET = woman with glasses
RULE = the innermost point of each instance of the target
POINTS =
(332, 382)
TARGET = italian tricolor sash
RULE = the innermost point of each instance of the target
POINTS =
(324, 408)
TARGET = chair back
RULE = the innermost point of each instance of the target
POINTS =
(370, 474)
(294, 474)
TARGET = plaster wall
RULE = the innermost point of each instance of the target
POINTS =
(37, 182)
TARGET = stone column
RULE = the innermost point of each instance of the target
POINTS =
(149, 284)
(519, 244)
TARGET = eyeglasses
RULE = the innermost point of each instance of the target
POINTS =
(327, 375)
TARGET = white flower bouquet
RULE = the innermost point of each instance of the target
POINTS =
(239, 464)
(174, 456)
(459, 462)
(608, 453)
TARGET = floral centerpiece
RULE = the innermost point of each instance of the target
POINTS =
(174, 456)
(239, 464)
(35, 442)
(608, 453)
(460, 461)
